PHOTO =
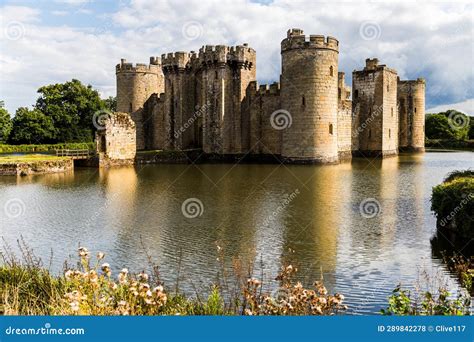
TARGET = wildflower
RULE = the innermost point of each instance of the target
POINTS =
(106, 269)
(254, 282)
(122, 303)
(83, 252)
(143, 276)
(74, 306)
(158, 289)
(100, 256)
(124, 271)
(149, 301)
(68, 274)
(149, 293)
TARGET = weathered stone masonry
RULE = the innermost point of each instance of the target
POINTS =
(210, 99)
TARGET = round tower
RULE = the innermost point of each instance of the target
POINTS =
(135, 85)
(417, 142)
(411, 104)
(309, 92)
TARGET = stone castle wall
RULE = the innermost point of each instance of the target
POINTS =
(116, 142)
(210, 100)
(264, 101)
(344, 119)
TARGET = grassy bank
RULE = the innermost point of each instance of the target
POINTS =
(90, 288)
(45, 147)
(29, 158)
(27, 288)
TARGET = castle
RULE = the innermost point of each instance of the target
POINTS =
(211, 100)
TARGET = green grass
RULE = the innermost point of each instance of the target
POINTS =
(29, 158)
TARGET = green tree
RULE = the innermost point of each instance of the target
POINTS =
(5, 123)
(31, 127)
(111, 103)
(451, 125)
(71, 107)
(471, 127)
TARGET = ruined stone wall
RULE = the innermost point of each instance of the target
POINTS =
(309, 91)
(411, 105)
(116, 143)
(265, 137)
(374, 105)
(135, 84)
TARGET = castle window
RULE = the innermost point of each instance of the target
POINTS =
(330, 129)
(331, 71)
(130, 108)
(356, 93)
(388, 89)
(339, 93)
(392, 111)
(415, 109)
(216, 75)
(370, 133)
(389, 133)
(303, 101)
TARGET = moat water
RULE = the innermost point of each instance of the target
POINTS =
(268, 214)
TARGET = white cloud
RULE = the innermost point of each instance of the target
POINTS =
(428, 40)
(466, 107)
(60, 13)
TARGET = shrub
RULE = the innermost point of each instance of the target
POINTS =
(453, 203)
(401, 303)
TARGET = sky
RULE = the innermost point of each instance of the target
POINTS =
(45, 42)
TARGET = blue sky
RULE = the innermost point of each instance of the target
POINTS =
(45, 42)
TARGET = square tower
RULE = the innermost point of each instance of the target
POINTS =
(374, 103)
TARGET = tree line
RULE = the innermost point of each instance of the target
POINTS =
(63, 112)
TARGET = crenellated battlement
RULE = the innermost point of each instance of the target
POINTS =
(412, 82)
(153, 68)
(268, 89)
(295, 39)
(175, 60)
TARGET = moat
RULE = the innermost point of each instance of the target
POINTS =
(257, 212)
